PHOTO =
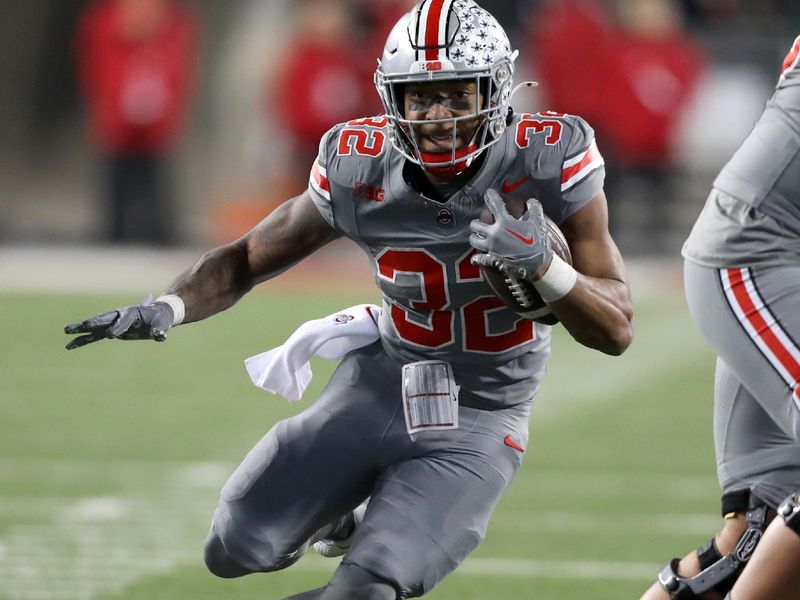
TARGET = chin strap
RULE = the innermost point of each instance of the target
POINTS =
(429, 160)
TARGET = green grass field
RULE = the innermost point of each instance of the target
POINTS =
(111, 457)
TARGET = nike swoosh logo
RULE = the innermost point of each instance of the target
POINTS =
(510, 187)
(528, 241)
(508, 441)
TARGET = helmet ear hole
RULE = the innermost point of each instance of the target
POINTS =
(484, 89)
(399, 92)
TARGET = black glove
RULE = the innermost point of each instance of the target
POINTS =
(143, 322)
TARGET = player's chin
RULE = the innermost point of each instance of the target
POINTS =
(433, 143)
(439, 145)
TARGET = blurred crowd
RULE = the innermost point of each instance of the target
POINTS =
(136, 62)
(175, 121)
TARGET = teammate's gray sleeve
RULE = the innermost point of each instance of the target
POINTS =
(752, 215)
(768, 157)
(790, 72)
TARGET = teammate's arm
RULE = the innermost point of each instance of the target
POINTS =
(220, 278)
(598, 311)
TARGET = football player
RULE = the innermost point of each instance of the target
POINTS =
(408, 188)
(742, 279)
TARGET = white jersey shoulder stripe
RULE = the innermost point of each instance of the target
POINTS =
(578, 167)
(319, 181)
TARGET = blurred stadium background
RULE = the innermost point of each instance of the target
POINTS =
(111, 457)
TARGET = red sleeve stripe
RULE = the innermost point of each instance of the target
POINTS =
(319, 181)
(432, 33)
(791, 59)
(761, 326)
(578, 167)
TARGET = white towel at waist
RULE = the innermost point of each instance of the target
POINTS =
(286, 370)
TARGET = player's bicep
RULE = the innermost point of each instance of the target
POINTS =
(290, 233)
(594, 252)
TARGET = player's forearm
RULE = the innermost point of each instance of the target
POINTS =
(218, 280)
(223, 275)
(598, 313)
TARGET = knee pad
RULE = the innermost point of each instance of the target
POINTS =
(790, 511)
(219, 562)
(351, 582)
(719, 572)
(226, 563)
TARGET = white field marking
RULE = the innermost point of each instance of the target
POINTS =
(98, 509)
(137, 269)
(530, 569)
(84, 269)
(571, 523)
(572, 385)
(165, 520)
(207, 474)
(210, 475)
(559, 569)
(627, 487)
(81, 548)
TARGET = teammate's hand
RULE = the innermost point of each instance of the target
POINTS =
(517, 246)
(146, 321)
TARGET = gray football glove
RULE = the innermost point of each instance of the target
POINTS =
(146, 321)
(516, 246)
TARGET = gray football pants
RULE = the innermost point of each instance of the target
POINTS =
(751, 318)
(431, 498)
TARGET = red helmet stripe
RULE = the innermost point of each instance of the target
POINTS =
(433, 23)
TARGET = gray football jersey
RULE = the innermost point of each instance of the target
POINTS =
(753, 214)
(435, 303)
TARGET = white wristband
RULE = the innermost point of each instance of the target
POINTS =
(177, 306)
(557, 281)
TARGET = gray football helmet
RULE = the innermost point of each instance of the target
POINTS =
(441, 40)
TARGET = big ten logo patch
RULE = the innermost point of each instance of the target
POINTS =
(370, 192)
(431, 65)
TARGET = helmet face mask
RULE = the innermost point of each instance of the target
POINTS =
(440, 42)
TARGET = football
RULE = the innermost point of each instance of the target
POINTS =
(520, 296)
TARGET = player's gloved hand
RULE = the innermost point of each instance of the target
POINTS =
(517, 246)
(146, 321)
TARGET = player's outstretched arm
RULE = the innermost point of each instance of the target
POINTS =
(224, 274)
(597, 311)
